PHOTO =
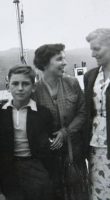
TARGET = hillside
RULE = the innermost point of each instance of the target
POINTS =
(77, 56)
(10, 58)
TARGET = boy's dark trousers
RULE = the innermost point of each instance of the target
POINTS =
(30, 181)
(33, 178)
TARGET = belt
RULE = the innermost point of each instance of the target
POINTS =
(19, 158)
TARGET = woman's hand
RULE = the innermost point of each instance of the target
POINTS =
(57, 141)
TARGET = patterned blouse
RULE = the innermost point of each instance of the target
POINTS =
(99, 138)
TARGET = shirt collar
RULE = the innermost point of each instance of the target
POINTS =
(100, 69)
(31, 104)
(102, 72)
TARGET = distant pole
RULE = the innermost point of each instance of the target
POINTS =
(20, 32)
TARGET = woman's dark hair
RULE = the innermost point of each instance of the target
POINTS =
(45, 52)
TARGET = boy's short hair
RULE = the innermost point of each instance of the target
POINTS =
(21, 69)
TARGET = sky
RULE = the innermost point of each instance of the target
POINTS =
(52, 21)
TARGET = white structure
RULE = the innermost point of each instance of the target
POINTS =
(4, 96)
(79, 74)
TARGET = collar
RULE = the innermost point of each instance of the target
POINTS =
(102, 72)
(100, 69)
(31, 104)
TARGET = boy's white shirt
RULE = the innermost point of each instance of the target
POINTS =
(19, 122)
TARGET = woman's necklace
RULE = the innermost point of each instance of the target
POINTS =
(53, 87)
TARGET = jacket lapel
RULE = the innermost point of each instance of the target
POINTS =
(92, 79)
(61, 101)
(46, 97)
(9, 120)
(108, 118)
(89, 88)
(8, 123)
(29, 124)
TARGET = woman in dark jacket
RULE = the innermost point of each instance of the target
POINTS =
(62, 95)
(97, 92)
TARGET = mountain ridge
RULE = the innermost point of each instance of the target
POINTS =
(11, 57)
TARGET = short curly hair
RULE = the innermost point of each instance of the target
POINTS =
(44, 53)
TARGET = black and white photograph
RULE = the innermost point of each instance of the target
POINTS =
(54, 99)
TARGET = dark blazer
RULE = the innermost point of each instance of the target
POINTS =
(39, 129)
(89, 80)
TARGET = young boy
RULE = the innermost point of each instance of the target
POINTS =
(25, 154)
